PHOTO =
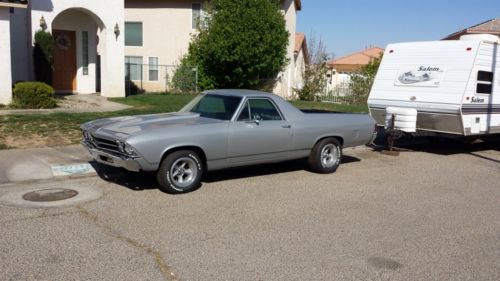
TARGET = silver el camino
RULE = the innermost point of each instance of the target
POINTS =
(221, 129)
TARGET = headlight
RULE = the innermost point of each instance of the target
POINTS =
(125, 148)
(129, 150)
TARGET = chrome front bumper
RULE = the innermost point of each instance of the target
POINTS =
(128, 163)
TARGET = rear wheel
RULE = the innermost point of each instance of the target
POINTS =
(326, 156)
(180, 172)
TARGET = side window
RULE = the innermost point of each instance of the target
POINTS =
(133, 34)
(245, 113)
(195, 14)
(484, 82)
(263, 109)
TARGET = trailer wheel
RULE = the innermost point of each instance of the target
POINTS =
(325, 157)
(180, 172)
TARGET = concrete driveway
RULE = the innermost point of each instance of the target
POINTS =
(429, 214)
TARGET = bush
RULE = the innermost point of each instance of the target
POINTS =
(43, 53)
(184, 79)
(33, 95)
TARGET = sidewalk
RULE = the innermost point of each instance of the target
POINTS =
(18, 165)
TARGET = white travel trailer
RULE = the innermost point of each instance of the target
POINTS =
(453, 87)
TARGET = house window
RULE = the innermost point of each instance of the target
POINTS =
(85, 52)
(196, 14)
(133, 34)
(133, 68)
(484, 82)
(153, 68)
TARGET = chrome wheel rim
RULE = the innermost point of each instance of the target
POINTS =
(183, 172)
(329, 155)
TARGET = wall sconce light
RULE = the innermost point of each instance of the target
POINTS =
(117, 30)
(43, 23)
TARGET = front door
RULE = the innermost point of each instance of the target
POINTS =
(64, 60)
(259, 134)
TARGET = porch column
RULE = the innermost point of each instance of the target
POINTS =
(113, 62)
(5, 57)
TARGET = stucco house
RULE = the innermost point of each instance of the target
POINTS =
(342, 68)
(95, 38)
(300, 59)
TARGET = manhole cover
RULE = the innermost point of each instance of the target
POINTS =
(50, 195)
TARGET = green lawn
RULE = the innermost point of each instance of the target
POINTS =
(56, 129)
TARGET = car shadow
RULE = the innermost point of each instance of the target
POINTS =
(265, 169)
(147, 180)
(131, 180)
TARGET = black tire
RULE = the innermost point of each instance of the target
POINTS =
(322, 163)
(180, 172)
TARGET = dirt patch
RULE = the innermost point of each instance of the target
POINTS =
(38, 141)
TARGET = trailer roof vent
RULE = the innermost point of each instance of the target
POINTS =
(480, 37)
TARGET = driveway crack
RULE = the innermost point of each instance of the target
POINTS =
(160, 262)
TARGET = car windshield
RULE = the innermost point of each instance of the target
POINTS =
(213, 106)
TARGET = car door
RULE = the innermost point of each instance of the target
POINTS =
(259, 133)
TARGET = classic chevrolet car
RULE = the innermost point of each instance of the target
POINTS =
(220, 129)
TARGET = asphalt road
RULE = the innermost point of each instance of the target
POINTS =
(432, 213)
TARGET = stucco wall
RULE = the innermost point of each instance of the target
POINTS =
(300, 65)
(106, 14)
(5, 61)
(21, 50)
(166, 34)
(286, 78)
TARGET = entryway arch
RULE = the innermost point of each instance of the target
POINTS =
(76, 33)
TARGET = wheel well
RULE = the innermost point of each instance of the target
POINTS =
(340, 139)
(196, 149)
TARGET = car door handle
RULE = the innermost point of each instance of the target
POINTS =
(286, 126)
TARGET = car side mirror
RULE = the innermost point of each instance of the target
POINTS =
(256, 118)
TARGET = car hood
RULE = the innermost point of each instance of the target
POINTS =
(129, 125)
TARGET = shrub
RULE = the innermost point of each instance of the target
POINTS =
(33, 95)
(43, 53)
(315, 70)
(184, 79)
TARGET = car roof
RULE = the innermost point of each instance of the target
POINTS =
(239, 93)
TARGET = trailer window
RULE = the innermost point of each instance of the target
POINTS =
(484, 82)
(485, 76)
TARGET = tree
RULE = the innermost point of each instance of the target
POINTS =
(43, 54)
(239, 44)
(362, 81)
(314, 74)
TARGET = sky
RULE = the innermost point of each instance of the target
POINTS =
(347, 26)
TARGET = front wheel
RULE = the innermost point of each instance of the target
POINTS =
(326, 156)
(180, 172)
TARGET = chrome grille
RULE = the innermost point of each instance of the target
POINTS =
(105, 144)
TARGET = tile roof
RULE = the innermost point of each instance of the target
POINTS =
(490, 26)
(299, 41)
(359, 58)
(298, 5)
(301, 44)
